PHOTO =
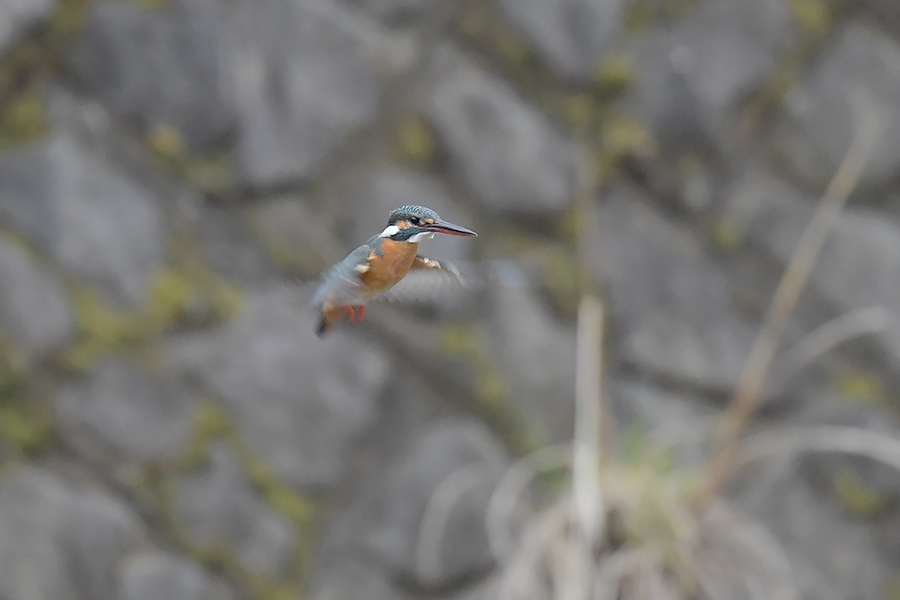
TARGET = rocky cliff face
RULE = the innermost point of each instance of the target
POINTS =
(174, 174)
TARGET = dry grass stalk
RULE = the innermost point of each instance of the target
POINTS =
(754, 376)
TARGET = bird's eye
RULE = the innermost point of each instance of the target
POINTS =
(414, 220)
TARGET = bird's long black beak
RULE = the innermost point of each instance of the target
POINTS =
(442, 226)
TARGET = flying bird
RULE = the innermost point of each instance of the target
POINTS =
(379, 264)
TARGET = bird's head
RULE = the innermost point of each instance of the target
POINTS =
(413, 224)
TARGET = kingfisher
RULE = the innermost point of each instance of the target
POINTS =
(379, 264)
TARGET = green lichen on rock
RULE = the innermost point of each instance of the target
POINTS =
(152, 5)
(29, 428)
(210, 172)
(491, 392)
(300, 509)
(561, 277)
(481, 25)
(614, 75)
(860, 386)
(186, 295)
(25, 422)
(857, 496)
(490, 388)
(416, 141)
(645, 13)
(69, 18)
(624, 135)
(166, 143)
(23, 117)
(102, 329)
(726, 234)
(891, 587)
(813, 16)
(191, 295)
(211, 424)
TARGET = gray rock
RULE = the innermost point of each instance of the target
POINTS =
(298, 400)
(304, 81)
(671, 302)
(398, 11)
(690, 77)
(218, 505)
(507, 150)
(831, 557)
(230, 246)
(18, 16)
(385, 189)
(287, 225)
(96, 223)
(535, 355)
(354, 579)
(153, 575)
(460, 461)
(158, 68)
(887, 11)
(119, 407)
(35, 312)
(859, 73)
(571, 35)
(59, 543)
(859, 263)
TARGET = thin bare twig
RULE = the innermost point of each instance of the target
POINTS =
(510, 489)
(748, 392)
(830, 335)
(437, 515)
(827, 438)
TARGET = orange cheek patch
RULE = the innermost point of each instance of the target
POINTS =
(402, 225)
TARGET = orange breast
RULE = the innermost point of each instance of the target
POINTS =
(389, 268)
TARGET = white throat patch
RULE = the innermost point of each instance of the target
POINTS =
(414, 239)
(425, 235)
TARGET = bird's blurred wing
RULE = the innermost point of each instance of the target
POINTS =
(342, 284)
(430, 283)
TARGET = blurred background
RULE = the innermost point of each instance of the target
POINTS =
(175, 175)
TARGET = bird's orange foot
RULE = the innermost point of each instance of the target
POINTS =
(355, 313)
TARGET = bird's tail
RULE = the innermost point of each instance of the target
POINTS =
(330, 315)
(324, 325)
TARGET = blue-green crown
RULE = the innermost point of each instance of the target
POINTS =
(405, 213)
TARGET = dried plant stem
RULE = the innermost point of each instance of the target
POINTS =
(587, 509)
(827, 438)
(748, 392)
